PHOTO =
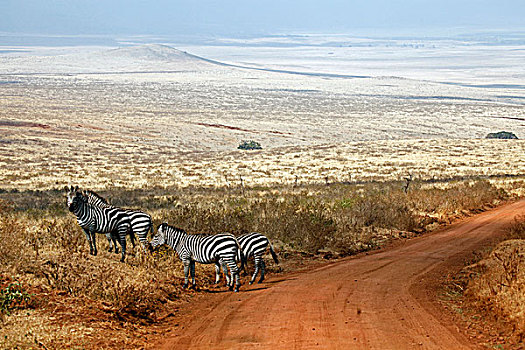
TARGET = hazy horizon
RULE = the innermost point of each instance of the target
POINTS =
(228, 18)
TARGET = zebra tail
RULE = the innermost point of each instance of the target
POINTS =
(241, 257)
(274, 256)
(151, 229)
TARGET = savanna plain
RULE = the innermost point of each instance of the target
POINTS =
(365, 142)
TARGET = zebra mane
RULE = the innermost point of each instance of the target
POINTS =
(172, 228)
(96, 195)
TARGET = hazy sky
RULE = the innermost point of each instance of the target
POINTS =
(247, 17)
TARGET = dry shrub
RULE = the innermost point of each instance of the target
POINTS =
(517, 229)
(497, 285)
(340, 218)
(388, 207)
(16, 253)
(456, 198)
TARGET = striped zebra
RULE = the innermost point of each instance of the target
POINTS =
(221, 249)
(96, 200)
(94, 219)
(141, 222)
(255, 244)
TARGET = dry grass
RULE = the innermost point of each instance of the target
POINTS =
(183, 130)
(48, 252)
(498, 285)
(492, 290)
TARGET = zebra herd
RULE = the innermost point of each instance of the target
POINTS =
(95, 215)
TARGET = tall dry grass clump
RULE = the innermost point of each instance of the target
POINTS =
(497, 284)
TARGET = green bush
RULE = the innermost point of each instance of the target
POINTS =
(249, 145)
(12, 297)
(505, 135)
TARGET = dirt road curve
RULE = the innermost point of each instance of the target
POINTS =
(386, 300)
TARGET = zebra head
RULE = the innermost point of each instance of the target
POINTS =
(74, 199)
(160, 237)
(71, 193)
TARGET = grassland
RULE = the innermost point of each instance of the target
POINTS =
(329, 182)
(52, 136)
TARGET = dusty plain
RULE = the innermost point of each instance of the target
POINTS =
(323, 110)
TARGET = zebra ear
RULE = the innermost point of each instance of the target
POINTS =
(76, 189)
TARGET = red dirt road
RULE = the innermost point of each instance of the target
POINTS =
(385, 300)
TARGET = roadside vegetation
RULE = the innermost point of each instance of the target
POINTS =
(68, 298)
(493, 290)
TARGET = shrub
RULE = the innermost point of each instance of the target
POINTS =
(249, 145)
(504, 135)
(12, 297)
(497, 283)
(517, 229)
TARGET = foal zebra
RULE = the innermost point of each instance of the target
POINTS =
(141, 222)
(255, 244)
(221, 249)
(94, 219)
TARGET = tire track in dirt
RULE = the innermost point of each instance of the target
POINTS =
(383, 300)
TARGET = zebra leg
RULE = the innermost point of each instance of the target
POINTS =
(109, 237)
(132, 239)
(186, 271)
(192, 273)
(93, 238)
(122, 231)
(257, 264)
(143, 239)
(217, 273)
(114, 236)
(225, 270)
(263, 267)
(88, 236)
(235, 275)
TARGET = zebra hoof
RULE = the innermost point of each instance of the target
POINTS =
(260, 281)
(185, 285)
(110, 250)
(117, 251)
(236, 290)
(251, 282)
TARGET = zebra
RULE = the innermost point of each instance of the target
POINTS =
(255, 244)
(94, 219)
(220, 249)
(96, 200)
(141, 222)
